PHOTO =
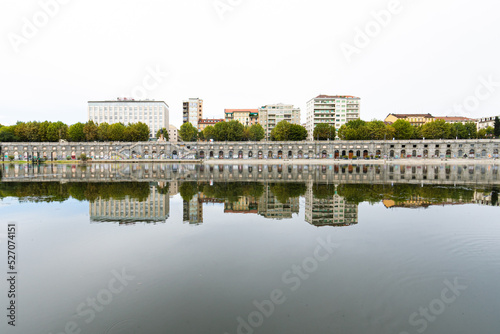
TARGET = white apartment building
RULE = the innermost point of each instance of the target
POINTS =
(333, 110)
(272, 114)
(483, 123)
(192, 111)
(127, 111)
(173, 134)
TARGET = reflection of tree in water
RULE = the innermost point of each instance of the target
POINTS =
(59, 192)
(494, 196)
(285, 191)
(227, 191)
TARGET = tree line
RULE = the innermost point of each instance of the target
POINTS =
(78, 132)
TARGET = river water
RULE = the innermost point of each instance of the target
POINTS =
(138, 248)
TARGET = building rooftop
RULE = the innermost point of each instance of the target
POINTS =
(411, 115)
(336, 97)
(128, 100)
(454, 118)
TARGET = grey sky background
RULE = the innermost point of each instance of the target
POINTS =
(427, 59)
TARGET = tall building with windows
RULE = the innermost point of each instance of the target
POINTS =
(153, 113)
(272, 114)
(192, 111)
(334, 110)
(244, 116)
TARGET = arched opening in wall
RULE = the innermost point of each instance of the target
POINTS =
(436, 154)
(154, 154)
(146, 154)
(448, 153)
(495, 153)
(483, 154)
(426, 153)
(221, 155)
(337, 154)
(240, 169)
(280, 154)
(300, 155)
(250, 154)
(344, 154)
(365, 154)
(460, 153)
(230, 154)
(311, 154)
(53, 155)
(73, 155)
(391, 154)
(44, 154)
(270, 154)
(403, 154)
(351, 154)
(472, 153)
(162, 154)
(290, 155)
(259, 155)
(365, 169)
(378, 153)
(101, 154)
(211, 154)
(358, 154)
(414, 153)
(174, 154)
(240, 154)
(323, 155)
(202, 154)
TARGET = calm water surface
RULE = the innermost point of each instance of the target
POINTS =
(252, 249)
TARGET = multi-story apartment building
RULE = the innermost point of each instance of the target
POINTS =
(485, 122)
(244, 116)
(333, 210)
(333, 110)
(270, 207)
(156, 208)
(454, 119)
(414, 119)
(173, 134)
(153, 113)
(203, 123)
(272, 114)
(192, 111)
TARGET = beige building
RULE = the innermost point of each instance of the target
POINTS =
(173, 134)
(203, 123)
(127, 111)
(485, 122)
(192, 111)
(156, 208)
(414, 119)
(269, 206)
(244, 116)
(333, 110)
(271, 114)
(455, 119)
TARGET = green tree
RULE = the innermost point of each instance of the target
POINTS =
(497, 127)
(103, 132)
(235, 131)
(324, 131)
(220, 131)
(165, 134)
(188, 132)
(354, 130)
(403, 129)
(57, 131)
(458, 130)
(481, 134)
(284, 131)
(377, 130)
(75, 132)
(209, 132)
(297, 133)
(256, 132)
(437, 130)
(7, 134)
(43, 129)
(136, 132)
(90, 131)
(116, 132)
(471, 128)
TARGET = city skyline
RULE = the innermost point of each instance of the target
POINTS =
(390, 68)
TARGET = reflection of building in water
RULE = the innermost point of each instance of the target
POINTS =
(246, 204)
(192, 211)
(156, 208)
(270, 207)
(416, 201)
(332, 210)
(174, 188)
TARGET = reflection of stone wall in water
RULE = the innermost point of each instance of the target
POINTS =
(156, 208)
(332, 210)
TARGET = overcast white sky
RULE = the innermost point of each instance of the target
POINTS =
(428, 58)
